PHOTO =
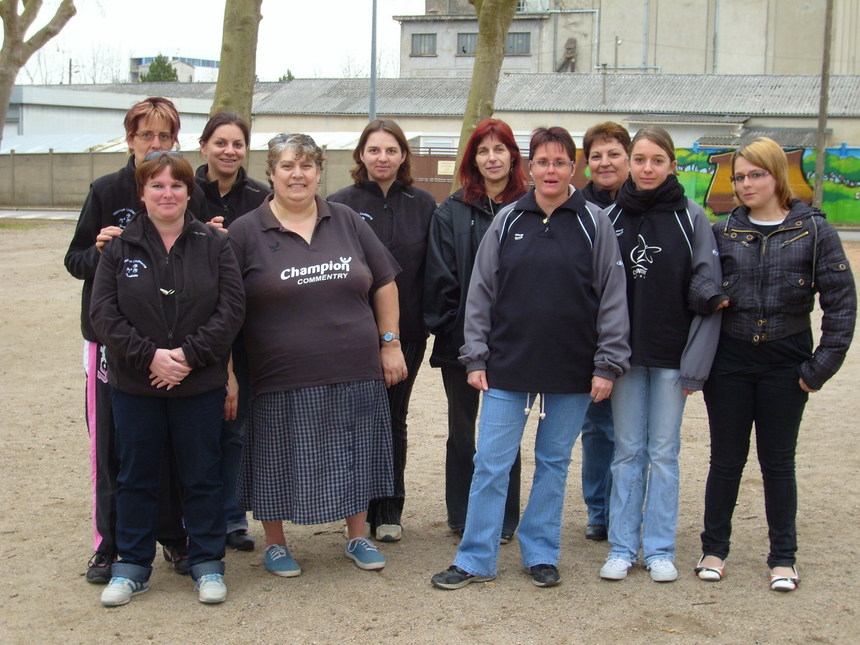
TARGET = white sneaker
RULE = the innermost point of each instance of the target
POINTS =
(615, 569)
(663, 570)
(211, 588)
(120, 590)
(389, 532)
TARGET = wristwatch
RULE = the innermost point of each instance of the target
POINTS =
(387, 337)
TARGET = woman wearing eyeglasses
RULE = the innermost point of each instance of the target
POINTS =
(776, 254)
(670, 260)
(546, 327)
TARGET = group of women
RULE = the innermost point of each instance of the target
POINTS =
(278, 379)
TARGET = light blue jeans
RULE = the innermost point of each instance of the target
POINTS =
(647, 406)
(598, 446)
(500, 431)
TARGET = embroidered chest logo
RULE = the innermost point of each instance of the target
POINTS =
(333, 270)
(123, 216)
(642, 255)
(134, 268)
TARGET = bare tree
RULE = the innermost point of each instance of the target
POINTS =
(238, 68)
(17, 48)
(494, 20)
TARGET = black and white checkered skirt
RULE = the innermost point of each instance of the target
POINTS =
(317, 454)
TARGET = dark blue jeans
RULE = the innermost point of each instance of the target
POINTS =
(192, 426)
(598, 447)
(774, 402)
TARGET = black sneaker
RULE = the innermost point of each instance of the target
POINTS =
(178, 556)
(455, 578)
(240, 540)
(544, 575)
(98, 568)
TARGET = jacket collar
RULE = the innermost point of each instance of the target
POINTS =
(269, 221)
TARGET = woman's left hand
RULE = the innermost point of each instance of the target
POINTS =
(217, 222)
(805, 387)
(393, 364)
(601, 388)
(231, 403)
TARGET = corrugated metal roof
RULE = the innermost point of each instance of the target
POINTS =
(785, 137)
(611, 93)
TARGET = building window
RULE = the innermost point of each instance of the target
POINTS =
(423, 44)
(466, 44)
(518, 44)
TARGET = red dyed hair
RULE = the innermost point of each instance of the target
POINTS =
(471, 178)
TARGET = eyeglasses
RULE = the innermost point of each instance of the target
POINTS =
(156, 154)
(755, 175)
(543, 164)
(164, 137)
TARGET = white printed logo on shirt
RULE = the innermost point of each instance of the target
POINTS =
(333, 270)
(133, 268)
(642, 255)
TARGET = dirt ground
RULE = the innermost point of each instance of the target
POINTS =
(46, 537)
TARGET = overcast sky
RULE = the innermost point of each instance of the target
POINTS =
(312, 38)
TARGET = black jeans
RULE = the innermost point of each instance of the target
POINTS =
(463, 402)
(388, 510)
(773, 401)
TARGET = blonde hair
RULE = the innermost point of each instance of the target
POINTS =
(768, 155)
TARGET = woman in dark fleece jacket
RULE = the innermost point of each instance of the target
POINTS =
(167, 302)
(776, 253)
(665, 241)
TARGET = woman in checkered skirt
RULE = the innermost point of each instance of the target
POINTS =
(321, 330)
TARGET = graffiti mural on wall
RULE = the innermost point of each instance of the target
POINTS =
(705, 175)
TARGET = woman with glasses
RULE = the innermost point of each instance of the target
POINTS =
(546, 327)
(604, 147)
(320, 294)
(150, 126)
(492, 176)
(228, 192)
(167, 302)
(670, 260)
(399, 213)
(776, 254)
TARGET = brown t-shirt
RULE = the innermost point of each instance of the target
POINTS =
(308, 319)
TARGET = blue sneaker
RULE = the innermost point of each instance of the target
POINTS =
(120, 590)
(278, 560)
(211, 588)
(365, 554)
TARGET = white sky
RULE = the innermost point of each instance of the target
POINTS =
(312, 38)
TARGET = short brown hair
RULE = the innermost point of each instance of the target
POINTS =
(555, 134)
(656, 135)
(155, 107)
(767, 154)
(180, 170)
(404, 173)
(605, 131)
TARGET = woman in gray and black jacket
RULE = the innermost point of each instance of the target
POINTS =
(776, 253)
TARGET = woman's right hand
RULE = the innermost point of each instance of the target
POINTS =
(166, 371)
(106, 235)
(478, 380)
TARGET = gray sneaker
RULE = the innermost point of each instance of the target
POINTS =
(211, 588)
(120, 590)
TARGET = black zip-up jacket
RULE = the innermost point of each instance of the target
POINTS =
(456, 229)
(112, 201)
(129, 312)
(245, 195)
(400, 220)
(771, 281)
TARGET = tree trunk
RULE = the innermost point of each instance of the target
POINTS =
(16, 51)
(494, 20)
(237, 71)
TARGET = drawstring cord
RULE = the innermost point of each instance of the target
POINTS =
(528, 409)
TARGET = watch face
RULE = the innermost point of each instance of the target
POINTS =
(388, 337)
